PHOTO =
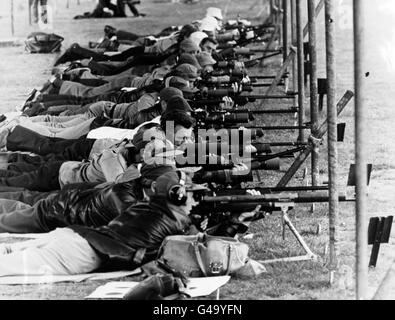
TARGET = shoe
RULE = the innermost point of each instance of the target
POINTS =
(154, 288)
(65, 57)
(109, 31)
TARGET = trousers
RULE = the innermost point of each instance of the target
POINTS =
(60, 252)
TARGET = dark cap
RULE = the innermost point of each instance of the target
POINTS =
(165, 182)
(178, 104)
(179, 83)
(151, 172)
(167, 93)
(186, 71)
(190, 59)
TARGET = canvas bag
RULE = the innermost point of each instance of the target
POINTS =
(203, 255)
(41, 42)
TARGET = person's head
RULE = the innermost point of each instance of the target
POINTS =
(209, 25)
(177, 190)
(189, 59)
(149, 174)
(181, 84)
(197, 37)
(188, 46)
(186, 31)
(209, 45)
(178, 104)
(143, 136)
(166, 94)
(187, 72)
(206, 62)
(178, 127)
(215, 13)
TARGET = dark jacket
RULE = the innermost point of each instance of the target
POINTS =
(135, 236)
(86, 205)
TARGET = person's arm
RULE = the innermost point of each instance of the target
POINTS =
(113, 165)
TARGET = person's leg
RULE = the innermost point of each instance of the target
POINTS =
(46, 178)
(62, 252)
(23, 219)
(9, 205)
(27, 196)
(133, 9)
(76, 131)
(52, 119)
(23, 139)
(7, 173)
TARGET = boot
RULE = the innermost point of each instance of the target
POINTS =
(153, 288)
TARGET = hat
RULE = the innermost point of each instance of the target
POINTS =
(179, 83)
(209, 24)
(178, 104)
(167, 93)
(151, 172)
(165, 182)
(205, 58)
(198, 36)
(145, 134)
(190, 59)
(186, 71)
(188, 46)
(214, 12)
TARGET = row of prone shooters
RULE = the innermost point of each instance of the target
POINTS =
(84, 177)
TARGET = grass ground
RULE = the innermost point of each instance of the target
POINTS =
(20, 72)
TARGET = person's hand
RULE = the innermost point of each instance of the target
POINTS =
(204, 224)
(239, 65)
(236, 87)
(241, 169)
(85, 62)
(236, 34)
(245, 217)
(215, 158)
(246, 80)
(227, 103)
(250, 149)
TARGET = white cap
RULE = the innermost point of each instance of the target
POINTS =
(198, 36)
(214, 12)
(209, 24)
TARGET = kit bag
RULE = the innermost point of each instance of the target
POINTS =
(203, 255)
(41, 42)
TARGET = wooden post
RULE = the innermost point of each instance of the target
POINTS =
(361, 124)
(301, 95)
(313, 90)
(332, 132)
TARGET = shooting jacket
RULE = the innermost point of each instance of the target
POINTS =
(134, 237)
(83, 204)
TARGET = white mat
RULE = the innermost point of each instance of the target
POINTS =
(197, 287)
(17, 280)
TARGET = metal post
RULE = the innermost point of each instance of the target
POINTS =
(285, 29)
(332, 132)
(301, 95)
(313, 89)
(30, 12)
(294, 40)
(361, 123)
(12, 18)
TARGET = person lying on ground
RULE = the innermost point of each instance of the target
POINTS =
(128, 241)
(81, 204)
(109, 166)
(149, 83)
(163, 46)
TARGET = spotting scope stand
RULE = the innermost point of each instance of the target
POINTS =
(286, 222)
